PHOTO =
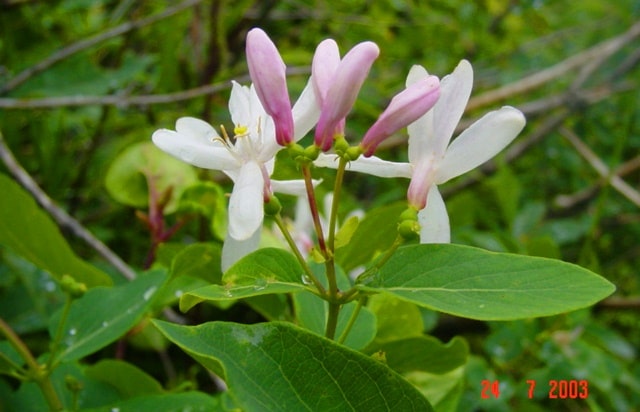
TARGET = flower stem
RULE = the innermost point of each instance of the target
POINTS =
(337, 190)
(332, 320)
(37, 372)
(296, 252)
(380, 262)
(352, 320)
(313, 205)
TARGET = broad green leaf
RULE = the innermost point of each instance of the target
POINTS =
(423, 353)
(478, 284)
(127, 177)
(103, 315)
(346, 232)
(396, 318)
(280, 367)
(262, 272)
(311, 313)
(29, 295)
(170, 402)
(200, 260)
(209, 200)
(29, 398)
(442, 391)
(129, 380)
(375, 233)
(9, 358)
(29, 232)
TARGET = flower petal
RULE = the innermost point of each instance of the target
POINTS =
(455, 90)
(233, 250)
(434, 220)
(291, 187)
(325, 63)
(268, 73)
(480, 142)
(194, 150)
(421, 132)
(405, 107)
(371, 165)
(341, 96)
(246, 205)
(306, 111)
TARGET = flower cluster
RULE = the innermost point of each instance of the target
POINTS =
(265, 122)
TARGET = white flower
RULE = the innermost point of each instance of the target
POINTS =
(432, 160)
(247, 158)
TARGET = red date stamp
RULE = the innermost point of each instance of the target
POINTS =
(555, 389)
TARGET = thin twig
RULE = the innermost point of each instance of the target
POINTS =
(123, 101)
(569, 201)
(594, 54)
(603, 170)
(92, 41)
(59, 215)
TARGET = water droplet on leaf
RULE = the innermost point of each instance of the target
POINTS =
(306, 280)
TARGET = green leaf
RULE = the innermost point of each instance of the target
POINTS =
(171, 402)
(129, 380)
(311, 313)
(9, 358)
(127, 177)
(478, 284)
(103, 315)
(423, 353)
(200, 260)
(280, 367)
(29, 232)
(209, 200)
(375, 233)
(262, 272)
(344, 235)
(396, 319)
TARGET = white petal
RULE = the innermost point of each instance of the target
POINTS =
(246, 207)
(195, 129)
(233, 250)
(455, 90)
(434, 220)
(416, 73)
(191, 148)
(480, 142)
(372, 165)
(306, 112)
(291, 187)
(421, 132)
(240, 105)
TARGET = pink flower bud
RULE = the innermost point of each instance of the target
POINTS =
(268, 73)
(344, 88)
(405, 108)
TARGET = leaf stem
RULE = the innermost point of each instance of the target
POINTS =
(332, 320)
(296, 252)
(337, 190)
(58, 337)
(38, 373)
(352, 320)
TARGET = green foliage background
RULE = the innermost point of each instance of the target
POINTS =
(528, 203)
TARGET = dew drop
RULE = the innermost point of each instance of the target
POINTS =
(72, 331)
(260, 284)
(306, 280)
(481, 306)
(50, 286)
(178, 293)
(105, 324)
(228, 293)
(115, 409)
(149, 292)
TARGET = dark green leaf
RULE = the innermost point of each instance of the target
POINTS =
(280, 367)
(29, 232)
(103, 315)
